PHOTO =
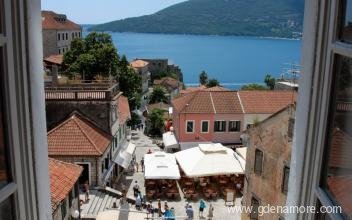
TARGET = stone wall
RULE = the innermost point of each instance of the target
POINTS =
(97, 111)
(271, 138)
(49, 42)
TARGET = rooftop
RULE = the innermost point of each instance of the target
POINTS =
(63, 177)
(138, 63)
(77, 136)
(266, 101)
(54, 59)
(168, 82)
(54, 21)
(123, 109)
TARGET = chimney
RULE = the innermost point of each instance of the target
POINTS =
(54, 75)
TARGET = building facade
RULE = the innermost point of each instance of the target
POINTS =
(160, 66)
(268, 162)
(172, 86)
(58, 33)
(142, 68)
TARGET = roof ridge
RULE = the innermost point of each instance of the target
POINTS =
(60, 125)
(85, 134)
(239, 98)
(65, 163)
(212, 102)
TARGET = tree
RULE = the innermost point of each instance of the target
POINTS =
(213, 82)
(203, 78)
(135, 120)
(269, 81)
(158, 95)
(130, 84)
(94, 55)
(156, 120)
(253, 86)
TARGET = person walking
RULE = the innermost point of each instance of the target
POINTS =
(135, 188)
(211, 212)
(136, 164)
(159, 208)
(189, 212)
(86, 191)
(201, 207)
(142, 164)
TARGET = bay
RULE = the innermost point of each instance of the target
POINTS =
(232, 60)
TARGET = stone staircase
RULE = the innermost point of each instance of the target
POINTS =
(99, 200)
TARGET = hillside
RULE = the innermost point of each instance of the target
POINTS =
(267, 18)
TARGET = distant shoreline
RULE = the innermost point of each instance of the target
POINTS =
(206, 35)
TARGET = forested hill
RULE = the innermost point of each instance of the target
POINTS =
(267, 18)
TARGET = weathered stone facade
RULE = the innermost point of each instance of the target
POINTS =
(273, 138)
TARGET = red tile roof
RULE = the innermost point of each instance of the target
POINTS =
(217, 89)
(159, 105)
(341, 150)
(63, 177)
(77, 136)
(340, 187)
(50, 21)
(124, 109)
(192, 89)
(210, 102)
(138, 63)
(266, 102)
(55, 59)
(168, 82)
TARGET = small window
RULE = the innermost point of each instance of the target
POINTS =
(73, 35)
(190, 126)
(220, 126)
(250, 126)
(258, 162)
(58, 36)
(255, 207)
(234, 126)
(63, 36)
(64, 209)
(291, 124)
(285, 176)
(66, 36)
(79, 34)
(59, 51)
(205, 126)
(107, 162)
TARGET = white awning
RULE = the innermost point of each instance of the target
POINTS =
(108, 172)
(169, 140)
(210, 160)
(124, 157)
(161, 165)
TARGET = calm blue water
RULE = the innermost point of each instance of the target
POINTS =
(232, 60)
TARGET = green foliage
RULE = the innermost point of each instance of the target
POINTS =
(253, 86)
(156, 119)
(130, 84)
(158, 95)
(94, 55)
(164, 74)
(267, 18)
(135, 120)
(203, 78)
(269, 81)
(213, 82)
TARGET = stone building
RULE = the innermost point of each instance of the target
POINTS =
(58, 32)
(268, 155)
(172, 86)
(141, 67)
(64, 189)
(159, 66)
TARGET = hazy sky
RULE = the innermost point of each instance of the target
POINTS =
(100, 11)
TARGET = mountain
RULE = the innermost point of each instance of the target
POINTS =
(267, 18)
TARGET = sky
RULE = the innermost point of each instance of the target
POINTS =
(100, 11)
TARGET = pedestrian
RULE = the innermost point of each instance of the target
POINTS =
(142, 126)
(189, 212)
(138, 203)
(166, 206)
(135, 188)
(159, 208)
(123, 189)
(86, 191)
(149, 151)
(136, 164)
(238, 187)
(150, 208)
(142, 164)
(172, 210)
(201, 207)
(211, 212)
(114, 206)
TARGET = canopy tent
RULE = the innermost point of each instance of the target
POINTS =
(124, 157)
(210, 160)
(169, 140)
(161, 165)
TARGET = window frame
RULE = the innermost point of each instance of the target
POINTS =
(215, 130)
(255, 170)
(193, 126)
(284, 188)
(235, 121)
(201, 126)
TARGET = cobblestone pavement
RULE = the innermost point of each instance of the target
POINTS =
(143, 144)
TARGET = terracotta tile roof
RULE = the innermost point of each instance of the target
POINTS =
(124, 109)
(63, 177)
(211, 102)
(138, 63)
(217, 89)
(192, 89)
(341, 150)
(76, 136)
(55, 59)
(268, 102)
(340, 187)
(168, 82)
(50, 21)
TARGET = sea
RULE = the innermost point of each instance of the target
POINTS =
(234, 61)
